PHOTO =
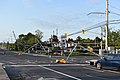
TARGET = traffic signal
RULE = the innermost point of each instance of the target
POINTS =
(90, 48)
(83, 31)
(101, 42)
(66, 36)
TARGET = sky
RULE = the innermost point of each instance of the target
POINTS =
(24, 16)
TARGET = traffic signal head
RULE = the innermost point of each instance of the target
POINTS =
(66, 36)
(83, 31)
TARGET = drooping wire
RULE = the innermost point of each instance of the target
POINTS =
(97, 26)
(114, 13)
(115, 7)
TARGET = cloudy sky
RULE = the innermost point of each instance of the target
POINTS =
(23, 16)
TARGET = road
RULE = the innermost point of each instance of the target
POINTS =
(40, 67)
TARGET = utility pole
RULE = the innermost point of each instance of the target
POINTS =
(53, 32)
(100, 53)
(101, 37)
(107, 24)
(56, 32)
(14, 35)
(16, 40)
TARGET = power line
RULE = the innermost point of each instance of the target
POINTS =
(115, 7)
(94, 32)
(97, 26)
(115, 23)
(95, 13)
(114, 13)
(89, 28)
(114, 20)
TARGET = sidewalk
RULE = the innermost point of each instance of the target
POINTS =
(3, 74)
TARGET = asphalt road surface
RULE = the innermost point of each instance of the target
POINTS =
(41, 67)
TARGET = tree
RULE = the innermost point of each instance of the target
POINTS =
(78, 39)
(70, 40)
(30, 38)
(25, 40)
(97, 39)
(21, 36)
(114, 38)
(55, 38)
(39, 34)
(87, 40)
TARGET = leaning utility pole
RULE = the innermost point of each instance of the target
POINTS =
(107, 19)
(16, 40)
(14, 35)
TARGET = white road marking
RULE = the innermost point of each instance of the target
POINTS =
(60, 73)
(12, 63)
(50, 65)
(23, 65)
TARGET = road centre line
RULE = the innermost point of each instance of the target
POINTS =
(60, 73)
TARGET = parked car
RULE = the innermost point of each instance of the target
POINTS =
(92, 62)
(109, 61)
